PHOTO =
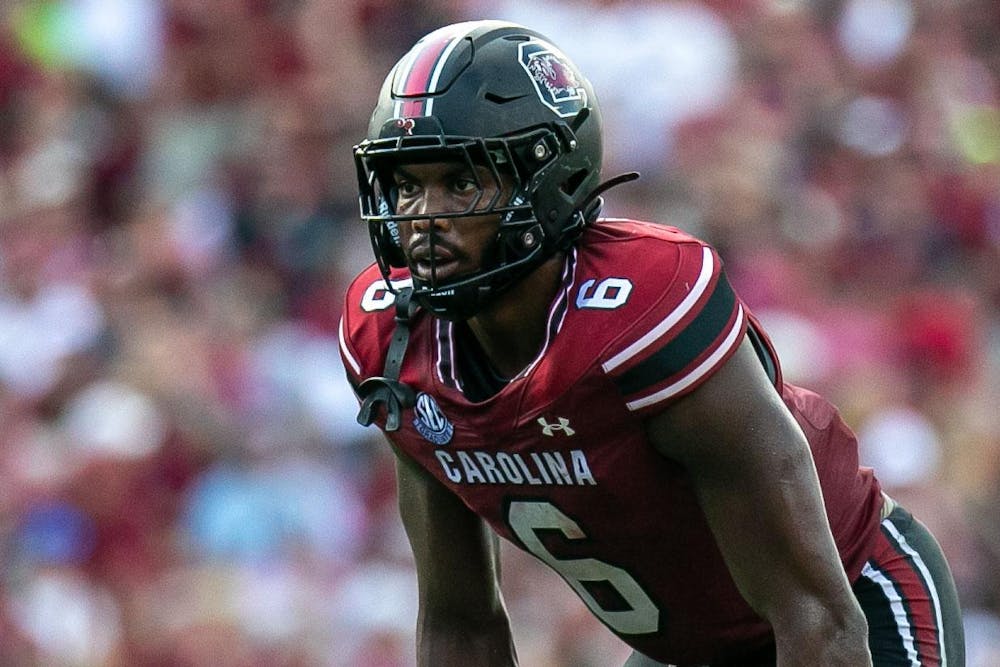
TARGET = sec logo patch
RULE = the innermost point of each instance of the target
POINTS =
(431, 422)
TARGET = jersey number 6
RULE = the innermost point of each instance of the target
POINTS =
(528, 517)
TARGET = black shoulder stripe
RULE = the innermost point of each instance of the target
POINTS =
(764, 354)
(680, 351)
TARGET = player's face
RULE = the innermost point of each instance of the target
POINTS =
(441, 249)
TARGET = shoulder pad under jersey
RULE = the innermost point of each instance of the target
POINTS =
(367, 324)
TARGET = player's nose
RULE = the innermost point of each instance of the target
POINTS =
(431, 205)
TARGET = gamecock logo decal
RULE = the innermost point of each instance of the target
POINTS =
(556, 82)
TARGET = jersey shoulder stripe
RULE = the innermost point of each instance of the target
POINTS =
(693, 328)
(702, 371)
(366, 324)
(345, 351)
(674, 355)
(672, 318)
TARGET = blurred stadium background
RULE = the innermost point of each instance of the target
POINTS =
(181, 479)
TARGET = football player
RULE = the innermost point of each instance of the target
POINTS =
(595, 392)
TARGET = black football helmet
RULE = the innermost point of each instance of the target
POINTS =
(498, 95)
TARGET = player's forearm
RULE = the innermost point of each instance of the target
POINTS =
(819, 632)
(458, 643)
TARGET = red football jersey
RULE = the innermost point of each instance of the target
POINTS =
(557, 463)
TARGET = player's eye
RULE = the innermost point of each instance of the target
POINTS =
(406, 189)
(465, 185)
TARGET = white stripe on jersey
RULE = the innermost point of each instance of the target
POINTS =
(343, 348)
(925, 573)
(705, 367)
(552, 327)
(671, 320)
(898, 611)
(445, 332)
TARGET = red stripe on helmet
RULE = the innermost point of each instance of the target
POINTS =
(419, 77)
(426, 58)
(413, 108)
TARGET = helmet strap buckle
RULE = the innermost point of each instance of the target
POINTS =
(387, 389)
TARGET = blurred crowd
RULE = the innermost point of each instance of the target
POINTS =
(182, 482)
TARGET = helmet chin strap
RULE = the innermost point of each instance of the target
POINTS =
(605, 186)
(387, 389)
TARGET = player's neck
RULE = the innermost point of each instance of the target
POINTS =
(512, 330)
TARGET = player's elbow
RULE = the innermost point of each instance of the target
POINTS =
(445, 638)
(814, 631)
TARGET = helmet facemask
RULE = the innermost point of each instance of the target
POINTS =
(514, 164)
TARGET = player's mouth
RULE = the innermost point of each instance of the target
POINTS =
(442, 269)
(436, 266)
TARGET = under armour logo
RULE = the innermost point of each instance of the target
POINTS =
(550, 429)
(406, 125)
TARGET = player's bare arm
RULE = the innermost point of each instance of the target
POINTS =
(462, 619)
(754, 477)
